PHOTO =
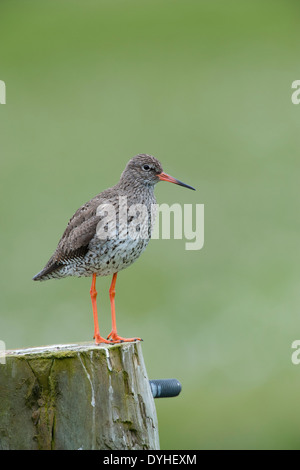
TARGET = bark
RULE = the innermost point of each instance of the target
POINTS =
(78, 396)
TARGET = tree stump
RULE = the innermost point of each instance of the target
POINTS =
(77, 396)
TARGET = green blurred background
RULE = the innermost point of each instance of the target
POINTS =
(205, 86)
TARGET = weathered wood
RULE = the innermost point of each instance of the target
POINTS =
(77, 396)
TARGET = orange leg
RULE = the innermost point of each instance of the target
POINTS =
(93, 292)
(115, 338)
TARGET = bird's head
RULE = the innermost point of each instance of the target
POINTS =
(147, 170)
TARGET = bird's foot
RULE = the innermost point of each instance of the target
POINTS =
(115, 338)
(99, 340)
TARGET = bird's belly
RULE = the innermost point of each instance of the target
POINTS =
(114, 255)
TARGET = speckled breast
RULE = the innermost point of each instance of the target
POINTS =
(116, 246)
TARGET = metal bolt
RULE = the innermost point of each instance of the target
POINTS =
(162, 388)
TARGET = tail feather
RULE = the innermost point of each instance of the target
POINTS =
(47, 272)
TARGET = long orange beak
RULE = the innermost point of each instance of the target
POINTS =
(164, 177)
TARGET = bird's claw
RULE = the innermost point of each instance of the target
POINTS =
(116, 339)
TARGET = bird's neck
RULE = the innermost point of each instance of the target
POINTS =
(137, 192)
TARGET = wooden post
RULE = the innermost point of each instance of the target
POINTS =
(77, 396)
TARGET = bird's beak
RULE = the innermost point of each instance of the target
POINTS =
(164, 177)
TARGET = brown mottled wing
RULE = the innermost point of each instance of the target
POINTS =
(76, 238)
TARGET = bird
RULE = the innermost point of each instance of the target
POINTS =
(109, 232)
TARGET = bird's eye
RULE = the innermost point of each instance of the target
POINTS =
(146, 167)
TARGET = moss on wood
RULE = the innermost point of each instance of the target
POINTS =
(77, 397)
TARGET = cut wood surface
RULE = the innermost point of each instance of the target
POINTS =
(77, 396)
